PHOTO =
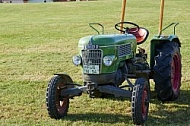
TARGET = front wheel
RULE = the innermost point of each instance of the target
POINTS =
(140, 101)
(57, 106)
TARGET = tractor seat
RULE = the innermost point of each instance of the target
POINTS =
(141, 34)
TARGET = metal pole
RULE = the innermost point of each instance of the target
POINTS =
(123, 13)
(161, 16)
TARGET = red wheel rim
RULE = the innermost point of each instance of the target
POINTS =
(176, 73)
(144, 103)
(61, 104)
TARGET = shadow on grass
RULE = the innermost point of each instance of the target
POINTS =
(99, 117)
(184, 98)
(172, 112)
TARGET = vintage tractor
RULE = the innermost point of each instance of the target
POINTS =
(107, 60)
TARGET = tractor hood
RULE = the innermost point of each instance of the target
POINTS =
(105, 40)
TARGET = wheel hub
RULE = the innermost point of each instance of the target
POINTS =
(175, 73)
(145, 103)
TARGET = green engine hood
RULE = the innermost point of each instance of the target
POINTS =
(118, 46)
(105, 40)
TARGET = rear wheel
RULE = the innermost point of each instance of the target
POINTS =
(140, 101)
(57, 106)
(167, 71)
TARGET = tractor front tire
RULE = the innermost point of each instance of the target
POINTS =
(140, 101)
(57, 106)
(167, 71)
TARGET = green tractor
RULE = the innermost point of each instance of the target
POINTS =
(107, 60)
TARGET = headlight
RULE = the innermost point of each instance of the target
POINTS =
(108, 60)
(77, 60)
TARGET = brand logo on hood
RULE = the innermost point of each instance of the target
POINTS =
(91, 46)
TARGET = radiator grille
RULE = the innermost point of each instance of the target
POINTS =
(91, 57)
(124, 50)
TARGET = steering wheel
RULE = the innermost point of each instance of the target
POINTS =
(133, 29)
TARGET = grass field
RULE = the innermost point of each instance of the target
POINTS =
(38, 40)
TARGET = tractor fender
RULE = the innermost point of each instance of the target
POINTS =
(66, 77)
(177, 41)
(170, 38)
(158, 40)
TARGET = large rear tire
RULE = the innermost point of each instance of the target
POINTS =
(140, 101)
(167, 71)
(57, 106)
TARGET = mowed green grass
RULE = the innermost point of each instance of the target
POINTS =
(38, 40)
